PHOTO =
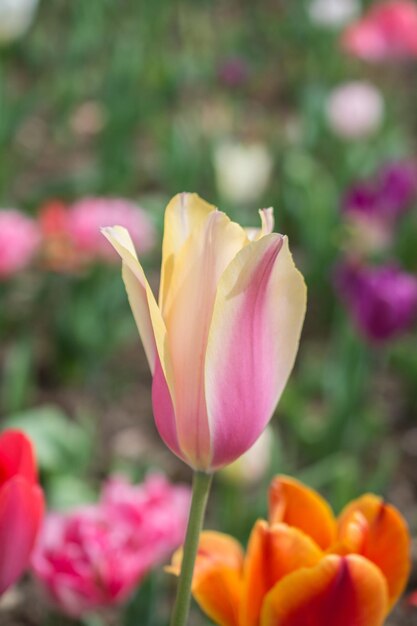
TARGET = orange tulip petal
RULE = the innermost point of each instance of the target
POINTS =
(295, 504)
(218, 593)
(217, 578)
(381, 535)
(339, 591)
(213, 549)
(273, 553)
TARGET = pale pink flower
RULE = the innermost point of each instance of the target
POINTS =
(95, 556)
(19, 242)
(87, 216)
(387, 31)
(355, 110)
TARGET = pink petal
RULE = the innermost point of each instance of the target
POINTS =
(253, 342)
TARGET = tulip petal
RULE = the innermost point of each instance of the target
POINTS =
(198, 267)
(267, 225)
(164, 412)
(218, 594)
(347, 591)
(217, 579)
(214, 548)
(273, 553)
(16, 456)
(293, 503)
(185, 214)
(384, 539)
(252, 344)
(21, 510)
(145, 310)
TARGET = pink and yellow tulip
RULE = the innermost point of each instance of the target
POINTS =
(304, 566)
(223, 337)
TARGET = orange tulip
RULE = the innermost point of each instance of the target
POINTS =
(304, 566)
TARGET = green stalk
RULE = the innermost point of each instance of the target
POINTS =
(201, 488)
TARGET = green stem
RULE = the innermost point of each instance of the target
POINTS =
(201, 488)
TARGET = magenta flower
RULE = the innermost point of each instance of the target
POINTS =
(233, 71)
(95, 556)
(381, 300)
(86, 216)
(386, 197)
(19, 242)
(387, 31)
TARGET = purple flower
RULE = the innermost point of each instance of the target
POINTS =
(386, 197)
(381, 300)
(233, 71)
(398, 186)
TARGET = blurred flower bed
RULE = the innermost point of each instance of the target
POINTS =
(105, 113)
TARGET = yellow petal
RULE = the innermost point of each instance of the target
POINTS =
(145, 310)
(267, 225)
(185, 213)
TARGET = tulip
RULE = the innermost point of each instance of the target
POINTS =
(21, 506)
(372, 207)
(94, 557)
(19, 242)
(304, 566)
(16, 16)
(242, 171)
(381, 300)
(387, 31)
(386, 197)
(223, 338)
(333, 13)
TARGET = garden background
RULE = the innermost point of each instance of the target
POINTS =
(242, 103)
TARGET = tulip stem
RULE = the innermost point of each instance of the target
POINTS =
(201, 488)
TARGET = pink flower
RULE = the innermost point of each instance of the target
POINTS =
(387, 31)
(95, 556)
(21, 506)
(355, 110)
(19, 241)
(86, 216)
(222, 340)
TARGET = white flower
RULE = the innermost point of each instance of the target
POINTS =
(15, 18)
(242, 171)
(355, 110)
(333, 13)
